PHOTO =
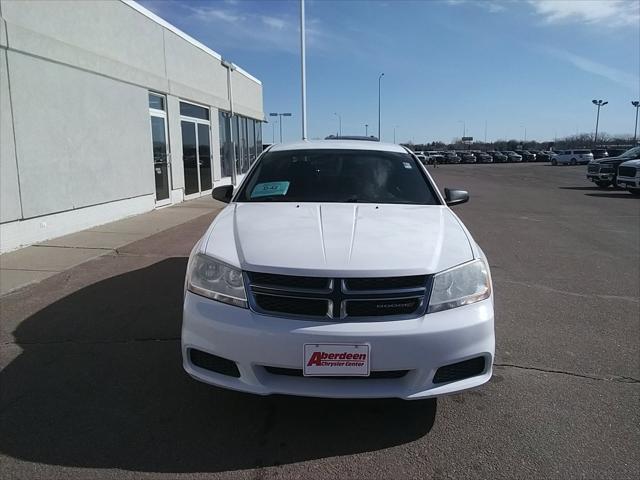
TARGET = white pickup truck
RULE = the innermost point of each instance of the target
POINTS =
(338, 270)
(629, 176)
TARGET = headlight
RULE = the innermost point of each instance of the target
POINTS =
(213, 279)
(461, 285)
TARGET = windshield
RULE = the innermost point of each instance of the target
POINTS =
(321, 175)
(632, 153)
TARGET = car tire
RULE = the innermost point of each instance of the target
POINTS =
(573, 161)
(603, 183)
(554, 162)
(634, 191)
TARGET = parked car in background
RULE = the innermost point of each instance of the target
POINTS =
(617, 151)
(512, 156)
(467, 157)
(266, 308)
(452, 157)
(571, 157)
(604, 171)
(543, 156)
(599, 153)
(483, 157)
(435, 157)
(629, 176)
(498, 157)
(526, 155)
(422, 158)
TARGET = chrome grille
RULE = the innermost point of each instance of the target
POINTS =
(321, 298)
(593, 168)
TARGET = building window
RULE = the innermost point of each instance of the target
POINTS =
(194, 111)
(156, 102)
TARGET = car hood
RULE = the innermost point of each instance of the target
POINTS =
(610, 160)
(338, 239)
(631, 163)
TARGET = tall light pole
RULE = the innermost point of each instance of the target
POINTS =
(525, 134)
(464, 127)
(280, 115)
(273, 124)
(636, 104)
(366, 129)
(379, 86)
(394, 133)
(598, 103)
(339, 123)
(303, 66)
(230, 68)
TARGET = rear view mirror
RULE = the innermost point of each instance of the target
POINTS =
(223, 193)
(455, 197)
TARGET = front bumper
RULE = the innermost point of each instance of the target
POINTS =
(601, 177)
(628, 182)
(255, 341)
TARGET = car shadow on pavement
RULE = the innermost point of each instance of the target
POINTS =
(99, 384)
(613, 194)
(594, 188)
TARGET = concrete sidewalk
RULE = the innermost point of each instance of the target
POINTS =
(40, 261)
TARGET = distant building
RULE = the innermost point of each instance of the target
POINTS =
(109, 111)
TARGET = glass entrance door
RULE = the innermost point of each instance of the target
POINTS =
(190, 157)
(160, 147)
(160, 157)
(196, 157)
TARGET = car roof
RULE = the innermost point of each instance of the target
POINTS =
(338, 145)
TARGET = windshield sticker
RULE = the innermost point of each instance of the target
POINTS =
(269, 189)
(407, 165)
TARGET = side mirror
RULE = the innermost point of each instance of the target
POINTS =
(223, 193)
(455, 197)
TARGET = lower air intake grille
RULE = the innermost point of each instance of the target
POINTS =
(460, 371)
(214, 363)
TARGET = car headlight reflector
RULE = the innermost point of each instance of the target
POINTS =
(461, 285)
(213, 279)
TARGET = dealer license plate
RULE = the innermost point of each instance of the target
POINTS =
(336, 360)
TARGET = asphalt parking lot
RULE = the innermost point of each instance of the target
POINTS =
(92, 384)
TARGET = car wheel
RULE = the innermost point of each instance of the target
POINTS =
(603, 183)
(554, 162)
(573, 161)
(634, 191)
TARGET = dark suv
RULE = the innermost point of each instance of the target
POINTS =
(526, 155)
(483, 157)
(603, 171)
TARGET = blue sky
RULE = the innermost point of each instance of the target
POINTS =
(512, 64)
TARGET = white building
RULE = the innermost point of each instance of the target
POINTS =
(109, 111)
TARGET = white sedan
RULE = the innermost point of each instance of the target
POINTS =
(338, 270)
